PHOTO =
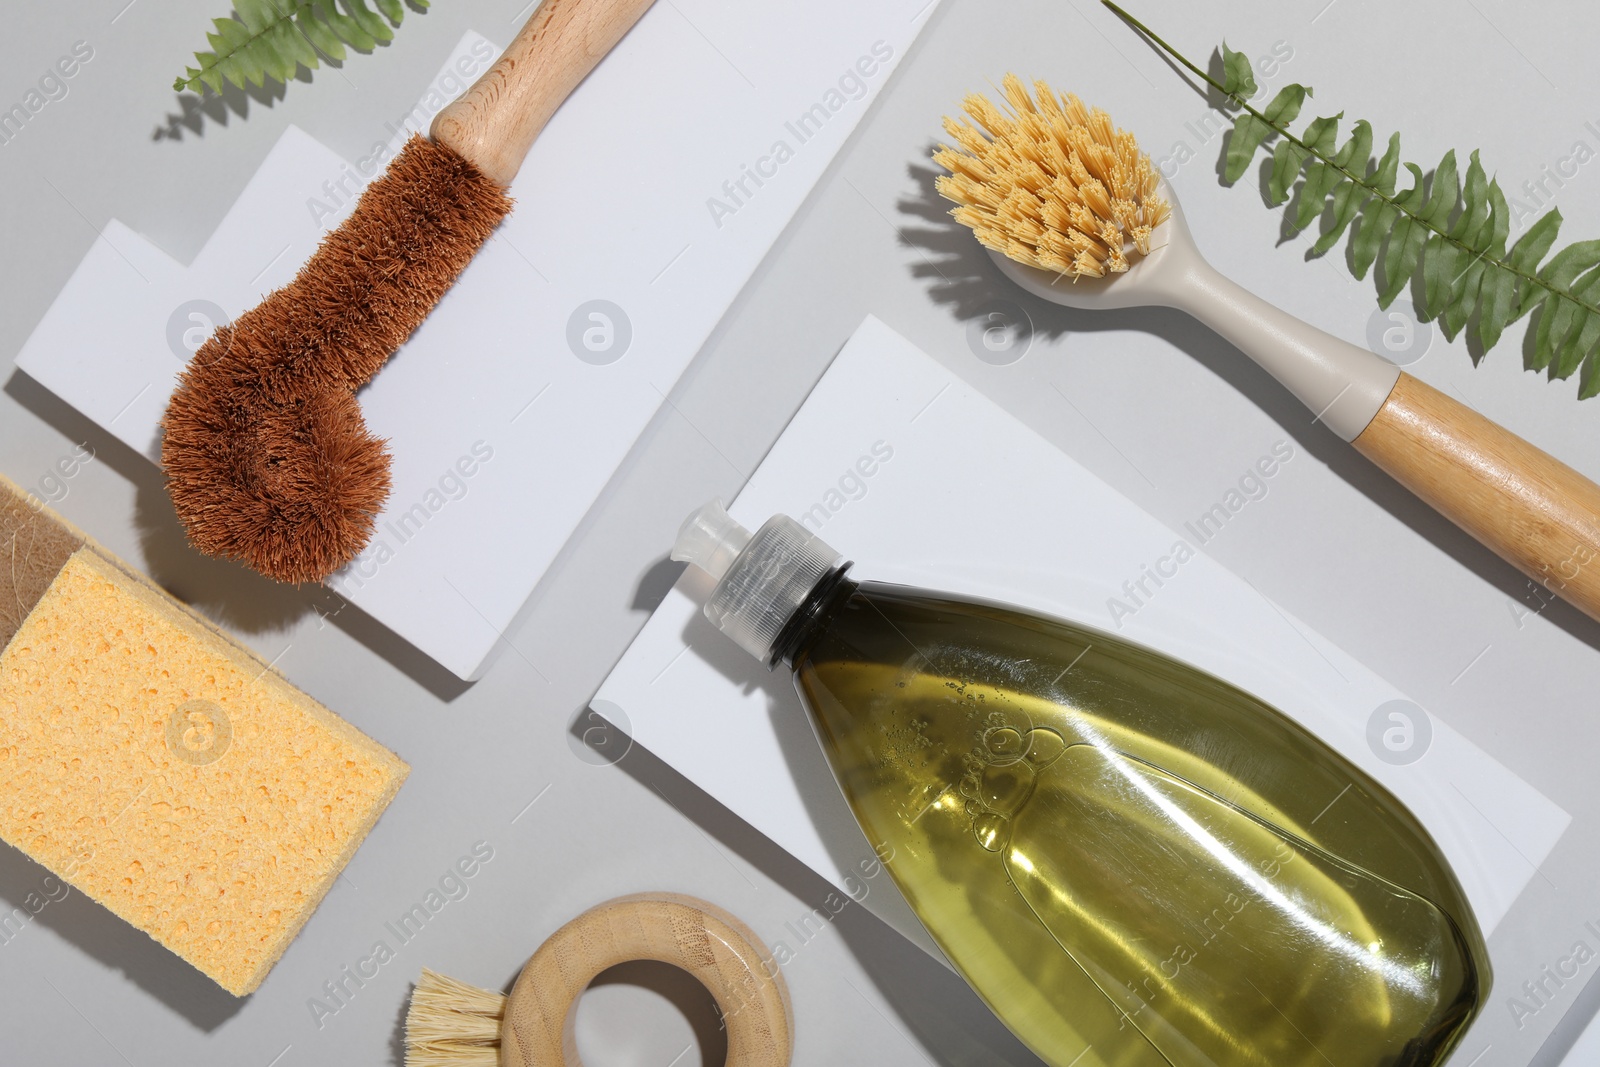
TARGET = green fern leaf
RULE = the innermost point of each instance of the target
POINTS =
(1453, 229)
(1405, 240)
(351, 30)
(1388, 172)
(1321, 177)
(1484, 224)
(1472, 225)
(1346, 201)
(1238, 77)
(1439, 271)
(1348, 195)
(1287, 159)
(1499, 306)
(1580, 348)
(1542, 349)
(293, 46)
(1445, 192)
(1366, 238)
(1565, 266)
(369, 19)
(1449, 259)
(1584, 329)
(1524, 260)
(1372, 226)
(1558, 358)
(1438, 253)
(1560, 317)
(1249, 131)
(318, 34)
(1589, 380)
(270, 39)
(1531, 246)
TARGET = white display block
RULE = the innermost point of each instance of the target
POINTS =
(632, 234)
(918, 479)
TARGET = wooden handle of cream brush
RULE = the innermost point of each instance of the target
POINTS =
(494, 123)
(701, 938)
(1534, 511)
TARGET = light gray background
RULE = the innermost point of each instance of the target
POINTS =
(1158, 408)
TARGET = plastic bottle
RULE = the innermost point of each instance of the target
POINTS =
(1130, 860)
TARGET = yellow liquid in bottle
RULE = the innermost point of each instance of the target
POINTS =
(1131, 861)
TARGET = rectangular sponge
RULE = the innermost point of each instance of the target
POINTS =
(162, 769)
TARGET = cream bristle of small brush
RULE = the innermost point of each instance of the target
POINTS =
(453, 1024)
(1072, 210)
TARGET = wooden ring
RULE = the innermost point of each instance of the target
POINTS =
(713, 946)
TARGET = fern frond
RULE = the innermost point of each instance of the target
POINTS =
(1453, 229)
(269, 39)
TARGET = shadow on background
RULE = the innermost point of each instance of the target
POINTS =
(223, 590)
(197, 111)
(100, 934)
(960, 276)
(679, 988)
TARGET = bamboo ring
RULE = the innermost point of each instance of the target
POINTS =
(713, 946)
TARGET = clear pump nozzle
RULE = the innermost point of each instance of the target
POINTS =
(711, 540)
(762, 578)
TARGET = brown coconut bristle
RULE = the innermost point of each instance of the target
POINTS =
(267, 457)
(1050, 183)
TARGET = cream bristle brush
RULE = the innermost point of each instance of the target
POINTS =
(1072, 210)
(267, 458)
(453, 1024)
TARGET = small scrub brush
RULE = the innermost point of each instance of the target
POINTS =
(267, 458)
(1061, 198)
(453, 1024)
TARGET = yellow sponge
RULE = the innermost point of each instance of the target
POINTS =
(166, 772)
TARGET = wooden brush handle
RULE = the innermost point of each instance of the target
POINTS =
(1533, 510)
(494, 123)
(701, 938)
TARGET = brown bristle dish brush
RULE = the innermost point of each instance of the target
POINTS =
(1073, 212)
(267, 458)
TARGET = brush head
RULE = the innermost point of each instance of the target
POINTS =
(453, 1024)
(267, 457)
(1050, 183)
